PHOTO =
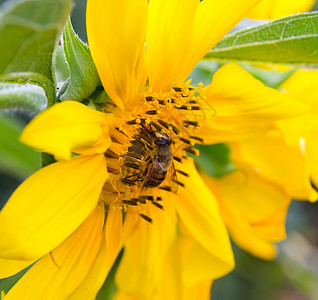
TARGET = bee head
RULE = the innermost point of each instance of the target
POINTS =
(162, 139)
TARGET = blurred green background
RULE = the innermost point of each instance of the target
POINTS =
(293, 275)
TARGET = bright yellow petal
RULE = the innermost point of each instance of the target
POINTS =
(313, 157)
(199, 211)
(67, 127)
(9, 267)
(275, 9)
(116, 33)
(111, 244)
(140, 270)
(246, 237)
(200, 265)
(176, 269)
(57, 279)
(169, 33)
(243, 106)
(213, 20)
(50, 205)
(202, 290)
(253, 208)
(283, 163)
(172, 286)
(302, 85)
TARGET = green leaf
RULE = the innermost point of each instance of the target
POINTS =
(29, 32)
(291, 40)
(27, 97)
(16, 158)
(214, 159)
(84, 77)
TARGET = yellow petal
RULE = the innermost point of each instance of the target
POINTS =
(169, 33)
(200, 265)
(181, 32)
(202, 290)
(9, 267)
(67, 127)
(313, 156)
(275, 9)
(243, 106)
(50, 205)
(140, 270)
(213, 20)
(116, 33)
(57, 277)
(246, 237)
(172, 286)
(176, 267)
(278, 161)
(111, 244)
(199, 211)
(302, 85)
(253, 208)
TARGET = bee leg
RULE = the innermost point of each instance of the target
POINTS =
(51, 254)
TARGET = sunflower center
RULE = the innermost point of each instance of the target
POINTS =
(148, 140)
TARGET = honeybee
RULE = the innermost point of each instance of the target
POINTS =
(160, 161)
(151, 160)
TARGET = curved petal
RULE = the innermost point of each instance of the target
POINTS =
(9, 267)
(169, 32)
(140, 270)
(200, 214)
(116, 33)
(172, 286)
(302, 85)
(213, 20)
(246, 237)
(272, 157)
(68, 127)
(56, 279)
(243, 106)
(258, 220)
(202, 266)
(50, 205)
(275, 9)
(111, 244)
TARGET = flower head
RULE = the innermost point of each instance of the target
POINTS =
(126, 166)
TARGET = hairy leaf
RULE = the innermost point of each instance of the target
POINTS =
(291, 40)
(29, 32)
(27, 97)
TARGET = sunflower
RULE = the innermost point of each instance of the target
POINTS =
(123, 177)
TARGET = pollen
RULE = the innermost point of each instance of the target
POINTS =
(150, 141)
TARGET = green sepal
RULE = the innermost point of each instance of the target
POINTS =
(290, 40)
(84, 77)
(29, 32)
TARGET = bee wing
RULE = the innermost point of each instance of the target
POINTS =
(150, 169)
(172, 179)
